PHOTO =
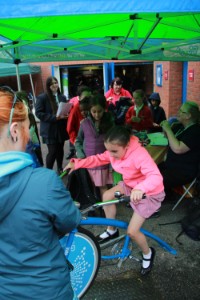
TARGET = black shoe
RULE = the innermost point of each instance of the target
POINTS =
(70, 155)
(145, 271)
(110, 237)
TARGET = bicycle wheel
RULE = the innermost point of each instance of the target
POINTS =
(85, 257)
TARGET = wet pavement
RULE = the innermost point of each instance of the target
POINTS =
(173, 277)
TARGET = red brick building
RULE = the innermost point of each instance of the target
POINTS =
(179, 81)
(174, 85)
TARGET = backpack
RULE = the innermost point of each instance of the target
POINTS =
(190, 223)
(119, 110)
(81, 187)
(35, 151)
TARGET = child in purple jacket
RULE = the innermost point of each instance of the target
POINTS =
(90, 140)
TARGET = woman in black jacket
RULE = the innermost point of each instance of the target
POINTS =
(52, 127)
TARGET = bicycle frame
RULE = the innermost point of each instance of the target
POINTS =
(68, 244)
(117, 223)
(82, 252)
(124, 225)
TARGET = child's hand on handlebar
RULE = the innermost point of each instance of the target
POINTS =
(136, 196)
(70, 165)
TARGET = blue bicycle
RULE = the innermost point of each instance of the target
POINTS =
(84, 253)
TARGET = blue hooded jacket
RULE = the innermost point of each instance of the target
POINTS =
(34, 205)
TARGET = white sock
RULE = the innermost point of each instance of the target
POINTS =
(146, 263)
(105, 234)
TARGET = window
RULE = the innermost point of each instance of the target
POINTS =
(159, 75)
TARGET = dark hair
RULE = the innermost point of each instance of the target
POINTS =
(98, 99)
(85, 103)
(107, 120)
(82, 88)
(140, 92)
(49, 81)
(117, 80)
(119, 135)
(24, 96)
(53, 103)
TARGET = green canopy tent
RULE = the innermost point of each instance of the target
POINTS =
(21, 69)
(24, 69)
(77, 30)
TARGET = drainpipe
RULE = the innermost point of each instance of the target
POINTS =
(184, 81)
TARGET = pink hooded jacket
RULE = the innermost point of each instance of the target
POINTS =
(137, 167)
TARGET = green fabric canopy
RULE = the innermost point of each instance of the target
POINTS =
(66, 30)
(24, 69)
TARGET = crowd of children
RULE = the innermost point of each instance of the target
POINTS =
(101, 144)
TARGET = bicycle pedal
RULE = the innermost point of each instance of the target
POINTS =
(135, 258)
(121, 260)
(111, 242)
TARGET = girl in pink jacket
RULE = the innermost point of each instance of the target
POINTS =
(140, 176)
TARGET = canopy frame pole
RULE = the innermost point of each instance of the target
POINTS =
(18, 78)
(124, 42)
(17, 61)
(150, 31)
(32, 87)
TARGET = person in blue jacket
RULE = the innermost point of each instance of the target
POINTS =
(35, 206)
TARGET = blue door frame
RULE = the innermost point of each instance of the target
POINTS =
(184, 83)
(108, 74)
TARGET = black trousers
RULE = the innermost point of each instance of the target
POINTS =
(55, 153)
(173, 177)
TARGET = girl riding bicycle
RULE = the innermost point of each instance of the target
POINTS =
(140, 176)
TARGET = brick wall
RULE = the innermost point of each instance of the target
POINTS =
(171, 90)
(25, 82)
(193, 92)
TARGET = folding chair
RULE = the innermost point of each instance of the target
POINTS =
(186, 191)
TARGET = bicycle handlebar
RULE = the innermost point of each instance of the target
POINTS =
(122, 199)
(64, 173)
